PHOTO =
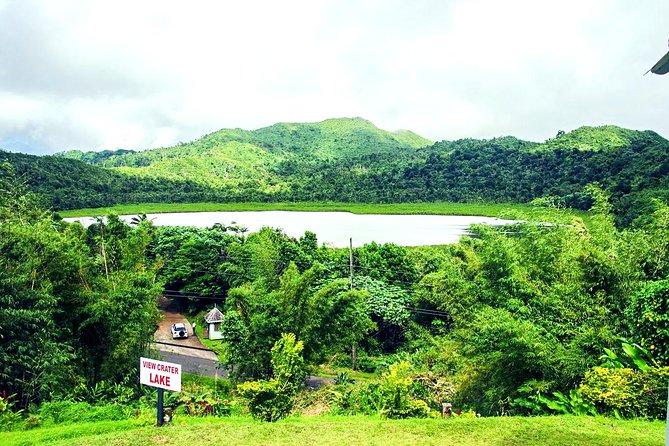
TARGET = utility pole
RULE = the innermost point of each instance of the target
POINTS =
(350, 262)
(102, 248)
(350, 276)
(666, 436)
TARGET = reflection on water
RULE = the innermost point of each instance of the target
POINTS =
(334, 228)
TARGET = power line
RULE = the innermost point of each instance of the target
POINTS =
(424, 311)
(183, 346)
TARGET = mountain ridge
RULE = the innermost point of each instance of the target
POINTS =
(351, 160)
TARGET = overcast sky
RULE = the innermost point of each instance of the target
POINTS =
(110, 74)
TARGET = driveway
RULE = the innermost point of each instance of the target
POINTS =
(189, 347)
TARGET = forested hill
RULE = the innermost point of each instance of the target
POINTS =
(352, 160)
(71, 184)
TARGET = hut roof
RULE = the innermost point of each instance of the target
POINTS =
(214, 316)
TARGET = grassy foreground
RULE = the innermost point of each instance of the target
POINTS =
(562, 430)
(484, 209)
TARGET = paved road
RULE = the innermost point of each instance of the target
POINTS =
(194, 365)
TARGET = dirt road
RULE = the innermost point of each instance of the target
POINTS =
(190, 346)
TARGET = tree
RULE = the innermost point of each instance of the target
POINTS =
(273, 399)
(648, 316)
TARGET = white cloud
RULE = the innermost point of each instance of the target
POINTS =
(99, 74)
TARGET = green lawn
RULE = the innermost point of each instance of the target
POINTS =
(484, 209)
(562, 430)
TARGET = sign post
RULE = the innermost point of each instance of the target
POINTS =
(160, 413)
(164, 376)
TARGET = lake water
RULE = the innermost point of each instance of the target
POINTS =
(334, 228)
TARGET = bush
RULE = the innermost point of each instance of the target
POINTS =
(10, 419)
(396, 386)
(626, 392)
(362, 399)
(103, 392)
(273, 399)
(201, 396)
(649, 318)
(268, 400)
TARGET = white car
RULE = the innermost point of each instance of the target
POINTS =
(179, 331)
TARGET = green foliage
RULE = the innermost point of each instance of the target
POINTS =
(10, 417)
(649, 317)
(574, 404)
(354, 399)
(626, 392)
(601, 138)
(267, 400)
(287, 361)
(103, 393)
(271, 400)
(200, 404)
(505, 353)
(350, 160)
(632, 356)
(395, 388)
(399, 393)
(344, 378)
(75, 305)
(62, 412)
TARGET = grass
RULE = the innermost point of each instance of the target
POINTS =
(484, 209)
(329, 371)
(329, 430)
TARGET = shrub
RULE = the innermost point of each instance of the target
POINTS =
(434, 389)
(574, 404)
(10, 419)
(33, 421)
(268, 400)
(649, 318)
(625, 392)
(364, 399)
(103, 392)
(203, 404)
(271, 400)
(396, 386)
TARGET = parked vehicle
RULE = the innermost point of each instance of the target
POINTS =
(179, 331)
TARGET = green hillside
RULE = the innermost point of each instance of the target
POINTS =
(225, 157)
(71, 184)
(604, 137)
(351, 160)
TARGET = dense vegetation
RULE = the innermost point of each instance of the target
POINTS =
(62, 183)
(531, 319)
(508, 318)
(76, 306)
(350, 160)
(552, 315)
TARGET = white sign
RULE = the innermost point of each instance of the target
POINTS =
(164, 375)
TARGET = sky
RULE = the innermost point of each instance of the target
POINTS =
(94, 75)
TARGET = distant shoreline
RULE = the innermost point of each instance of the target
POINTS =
(439, 208)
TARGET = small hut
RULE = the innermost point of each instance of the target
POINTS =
(213, 321)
